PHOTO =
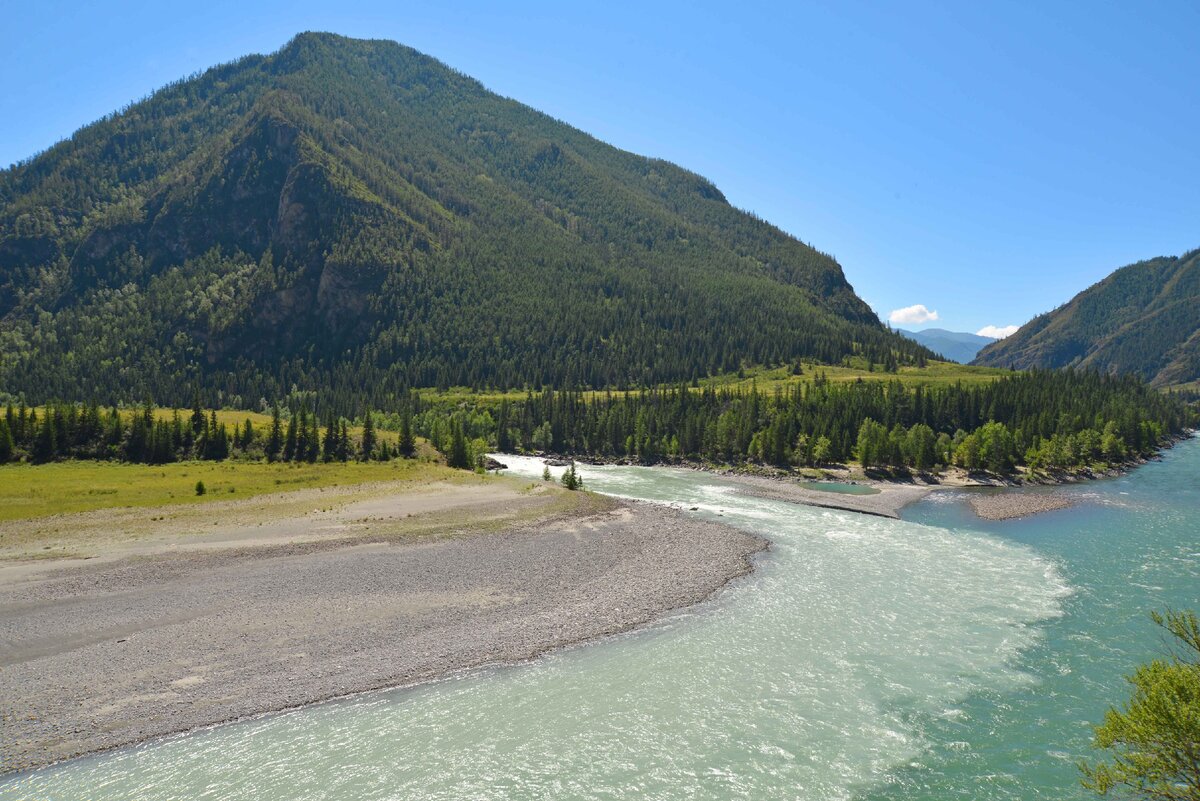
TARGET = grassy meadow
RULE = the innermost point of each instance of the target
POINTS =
(935, 373)
(31, 491)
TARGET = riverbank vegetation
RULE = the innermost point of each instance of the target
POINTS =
(1039, 420)
(1151, 741)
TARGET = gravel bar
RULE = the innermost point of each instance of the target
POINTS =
(97, 655)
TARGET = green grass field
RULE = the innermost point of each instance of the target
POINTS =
(234, 419)
(934, 374)
(768, 378)
(30, 491)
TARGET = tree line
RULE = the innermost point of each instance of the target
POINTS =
(86, 431)
(1039, 419)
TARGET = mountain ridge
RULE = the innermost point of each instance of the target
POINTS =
(958, 346)
(1142, 319)
(353, 213)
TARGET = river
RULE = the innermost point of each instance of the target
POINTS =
(935, 657)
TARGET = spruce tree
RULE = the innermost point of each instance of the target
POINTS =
(503, 442)
(330, 443)
(197, 415)
(289, 443)
(221, 443)
(300, 453)
(368, 437)
(407, 446)
(176, 431)
(6, 440)
(458, 456)
(275, 438)
(45, 444)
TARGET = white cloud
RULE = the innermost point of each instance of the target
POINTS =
(913, 315)
(997, 331)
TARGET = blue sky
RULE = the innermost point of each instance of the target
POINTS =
(984, 160)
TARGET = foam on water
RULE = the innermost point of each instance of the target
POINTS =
(809, 680)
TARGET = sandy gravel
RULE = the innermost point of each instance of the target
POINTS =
(1017, 503)
(890, 499)
(102, 653)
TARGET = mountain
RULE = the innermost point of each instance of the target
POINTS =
(1144, 319)
(356, 216)
(957, 346)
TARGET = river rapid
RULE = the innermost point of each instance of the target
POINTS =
(933, 657)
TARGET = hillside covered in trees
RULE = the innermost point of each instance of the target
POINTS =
(354, 216)
(1143, 319)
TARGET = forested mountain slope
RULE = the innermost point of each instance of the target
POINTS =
(356, 216)
(1143, 319)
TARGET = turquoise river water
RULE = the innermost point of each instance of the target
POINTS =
(938, 657)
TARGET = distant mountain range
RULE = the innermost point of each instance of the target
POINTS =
(355, 216)
(957, 346)
(1143, 319)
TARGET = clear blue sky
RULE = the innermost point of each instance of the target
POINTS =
(985, 160)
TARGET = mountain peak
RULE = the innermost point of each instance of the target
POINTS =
(356, 213)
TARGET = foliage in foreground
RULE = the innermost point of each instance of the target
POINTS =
(1153, 741)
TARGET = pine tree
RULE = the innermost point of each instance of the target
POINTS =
(300, 453)
(571, 479)
(289, 444)
(329, 445)
(314, 440)
(6, 440)
(458, 456)
(407, 446)
(176, 431)
(247, 436)
(221, 443)
(45, 444)
(197, 416)
(368, 437)
(275, 438)
(161, 447)
(503, 441)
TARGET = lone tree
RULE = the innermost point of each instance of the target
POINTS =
(571, 479)
(1154, 739)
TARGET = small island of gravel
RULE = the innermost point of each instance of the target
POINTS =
(1011, 504)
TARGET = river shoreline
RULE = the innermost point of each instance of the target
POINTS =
(894, 492)
(112, 652)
